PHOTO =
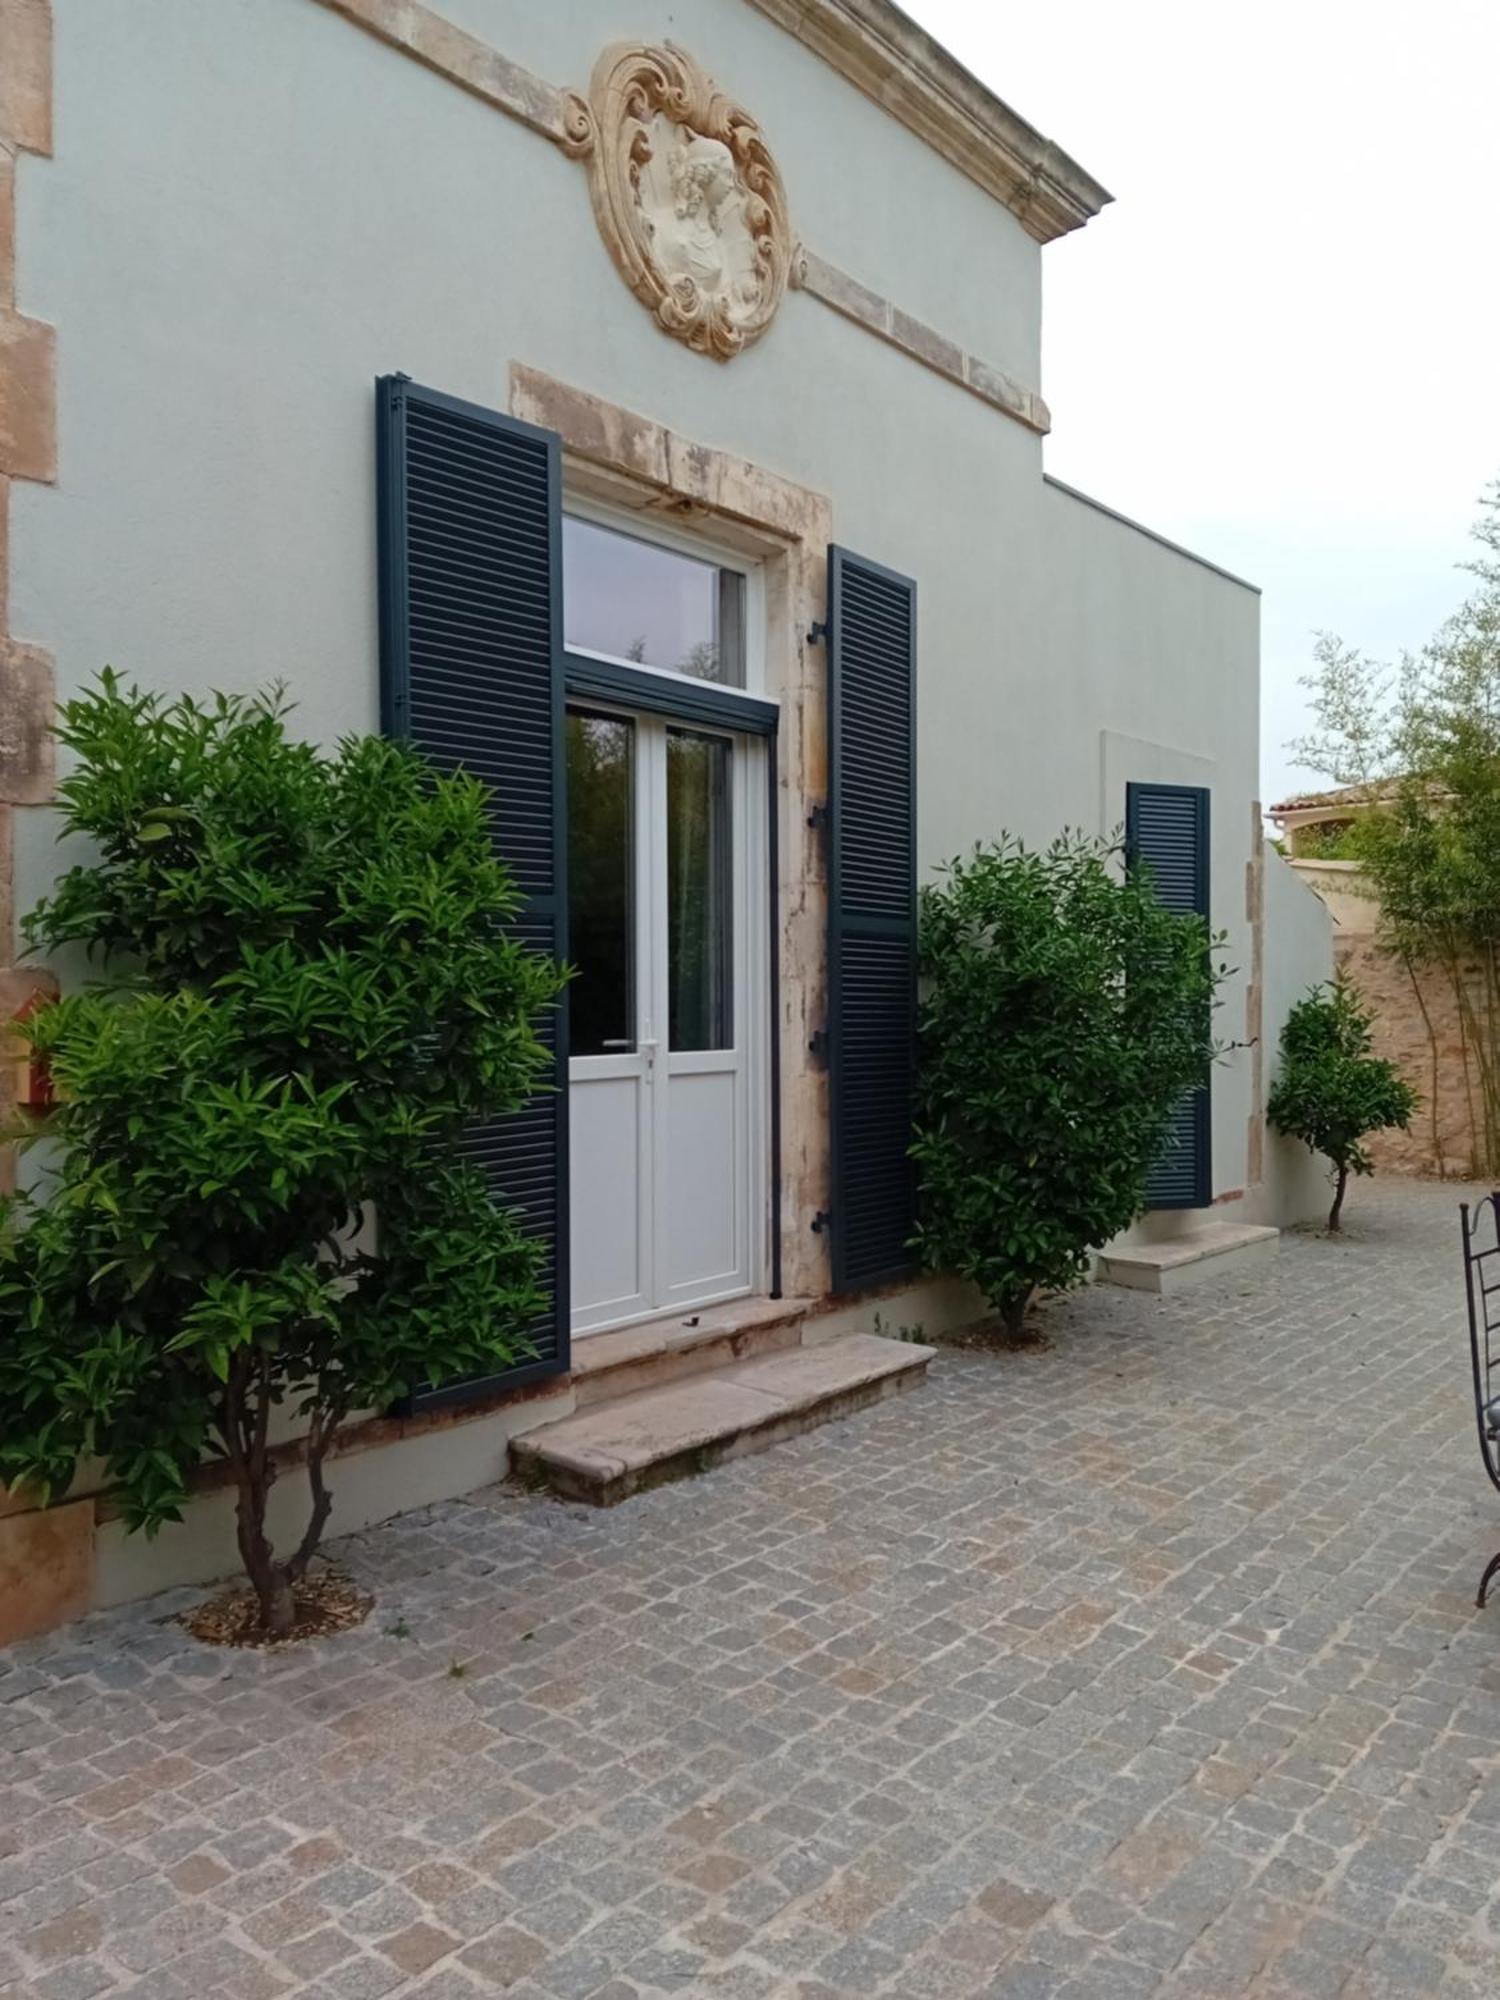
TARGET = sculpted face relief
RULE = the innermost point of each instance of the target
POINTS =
(688, 198)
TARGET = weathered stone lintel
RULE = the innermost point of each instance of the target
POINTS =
(920, 342)
(642, 449)
(473, 65)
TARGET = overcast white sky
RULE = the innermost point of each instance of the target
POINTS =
(1281, 344)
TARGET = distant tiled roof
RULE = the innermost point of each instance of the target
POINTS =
(1340, 795)
(1375, 792)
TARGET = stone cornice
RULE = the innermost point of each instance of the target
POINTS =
(904, 70)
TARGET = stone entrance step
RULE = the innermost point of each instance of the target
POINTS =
(630, 1443)
(1202, 1254)
(606, 1365)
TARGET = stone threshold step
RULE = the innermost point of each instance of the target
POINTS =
(622, 1447)
(1203, 1254)
(656, 1351)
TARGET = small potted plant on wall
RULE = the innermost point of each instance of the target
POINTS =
(1330, 1092)
(257, 1222)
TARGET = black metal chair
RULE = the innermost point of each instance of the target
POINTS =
(1481, 1232)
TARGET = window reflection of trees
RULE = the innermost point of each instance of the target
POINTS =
(699, 892)
(600, 869)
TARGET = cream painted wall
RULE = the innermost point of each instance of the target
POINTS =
(254, 209)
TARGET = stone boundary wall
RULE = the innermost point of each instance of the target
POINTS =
(1441, 1141)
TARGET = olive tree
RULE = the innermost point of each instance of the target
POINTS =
(257, 1202)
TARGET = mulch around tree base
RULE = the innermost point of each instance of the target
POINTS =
(990, 1337)
(328, 1602)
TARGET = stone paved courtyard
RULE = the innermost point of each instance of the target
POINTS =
(1145, 1663)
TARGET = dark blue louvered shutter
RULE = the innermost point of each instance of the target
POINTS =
(872, 917)
(1166, 826)
(471, 670)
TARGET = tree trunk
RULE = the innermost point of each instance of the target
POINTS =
(245, 1425)
(269, 1578)
(1465, 1039)
(1342, 1183)
(319, 1438)
(278, 1607)
(1432, 1046)
(1013, 1313)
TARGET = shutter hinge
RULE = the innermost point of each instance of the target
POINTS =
(818, 1043)
(821, 1221)
(817, 632)
(818, 818)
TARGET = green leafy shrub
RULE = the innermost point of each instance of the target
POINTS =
(1330, 1092)
(1336, 842)
(1065, 1012)
(257, 1199)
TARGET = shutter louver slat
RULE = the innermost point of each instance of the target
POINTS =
(1166, 826)
(872, 917)
(471, 670)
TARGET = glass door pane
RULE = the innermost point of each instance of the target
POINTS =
(601, 883)
(700, 892)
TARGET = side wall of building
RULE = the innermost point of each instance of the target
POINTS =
(1165, 652)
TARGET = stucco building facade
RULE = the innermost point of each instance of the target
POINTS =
(670, 417)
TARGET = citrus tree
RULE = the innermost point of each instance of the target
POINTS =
(1064, 1014)
(1330, 1092)
(256, 1214)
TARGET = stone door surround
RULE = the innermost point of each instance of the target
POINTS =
(631, 461)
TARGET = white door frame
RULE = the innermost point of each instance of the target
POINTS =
(653, 1064)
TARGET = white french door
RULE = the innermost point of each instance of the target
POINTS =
(665, 1019)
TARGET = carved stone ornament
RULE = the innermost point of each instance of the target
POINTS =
(686, 194)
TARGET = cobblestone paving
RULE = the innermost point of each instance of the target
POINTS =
(1142, 1665)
